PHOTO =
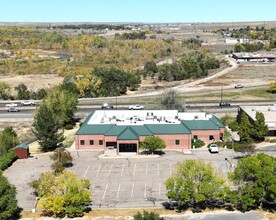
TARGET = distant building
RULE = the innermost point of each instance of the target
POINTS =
(245, 56)
(269, 114)
(231, 41)
(125, 129)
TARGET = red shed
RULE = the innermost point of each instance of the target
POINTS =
(22, 151)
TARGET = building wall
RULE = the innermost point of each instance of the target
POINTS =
(170, 141)
(22, 153)
(86, 139)
(204, 135)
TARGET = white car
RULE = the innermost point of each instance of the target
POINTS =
(11, 105)
(135, 107)
(27, 103)
(213, 148)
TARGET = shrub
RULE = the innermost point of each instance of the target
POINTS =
(68, 127)
(197, 143)
(272, 141)
(7, 159)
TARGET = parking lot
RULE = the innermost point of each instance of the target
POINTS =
(115, 182)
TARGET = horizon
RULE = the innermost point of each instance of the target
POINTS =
(130, 11)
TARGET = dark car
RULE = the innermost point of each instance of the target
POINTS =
(224, 104)
(107, 106)
(13, 110)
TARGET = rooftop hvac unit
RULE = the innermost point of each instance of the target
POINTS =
(149, 113)
(256, 109)
(162, 118)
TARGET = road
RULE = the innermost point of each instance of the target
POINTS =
(85, 106)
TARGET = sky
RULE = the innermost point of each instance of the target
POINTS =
(146, 11)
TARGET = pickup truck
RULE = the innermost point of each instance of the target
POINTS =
(26, 103)
(135, 107)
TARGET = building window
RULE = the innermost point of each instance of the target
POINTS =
(211, 137)
(91, 142)
(195, 137)
(100, 142)
(177, 142)
(81, 142)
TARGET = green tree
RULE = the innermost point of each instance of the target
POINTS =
(169, 100)
(8, 139)
(5, 90)
(46, 128)
(272, 87)
(63, 104)
(195, 185)
(8, 202)
(245, 129)
(22, 91)
(255, 182)
(62, 159)
(150, 67)
(62, 195)
(147, 216)
(260, 128)
(152, 143)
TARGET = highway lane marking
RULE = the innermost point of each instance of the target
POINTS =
(86, 171)
(123, 170)
(132, 189)
(119, 187)
(98, 170)
(105, 190)
(110, 170)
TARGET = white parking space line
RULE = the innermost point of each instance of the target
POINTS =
(93, 186)
(170, 169)
(86, 171)
(134, 170)
(158, 169)
(98, 170)
(146, 169)
(145, 192)
(105, 190)
(119, 187)
(110, 170)
(159, 189)
(132, 189)
(75, 170)
(123, 170)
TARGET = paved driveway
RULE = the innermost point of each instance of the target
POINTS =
(115, 182)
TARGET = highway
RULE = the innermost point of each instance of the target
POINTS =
(85, 106)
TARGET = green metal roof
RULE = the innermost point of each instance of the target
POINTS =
(128, 134)
(201, 124)
(216, 121)
(168, 128)
(22, 146)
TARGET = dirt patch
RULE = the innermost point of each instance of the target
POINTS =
(246, 75)
(33, 82)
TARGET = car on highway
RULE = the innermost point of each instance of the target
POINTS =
(107, 106)
(135, 107)
(27, 103)
(238, 86)
(213, 148)
(13, 110)
(224, 104)
(11, 105)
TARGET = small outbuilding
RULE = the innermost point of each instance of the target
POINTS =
(22, 151)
